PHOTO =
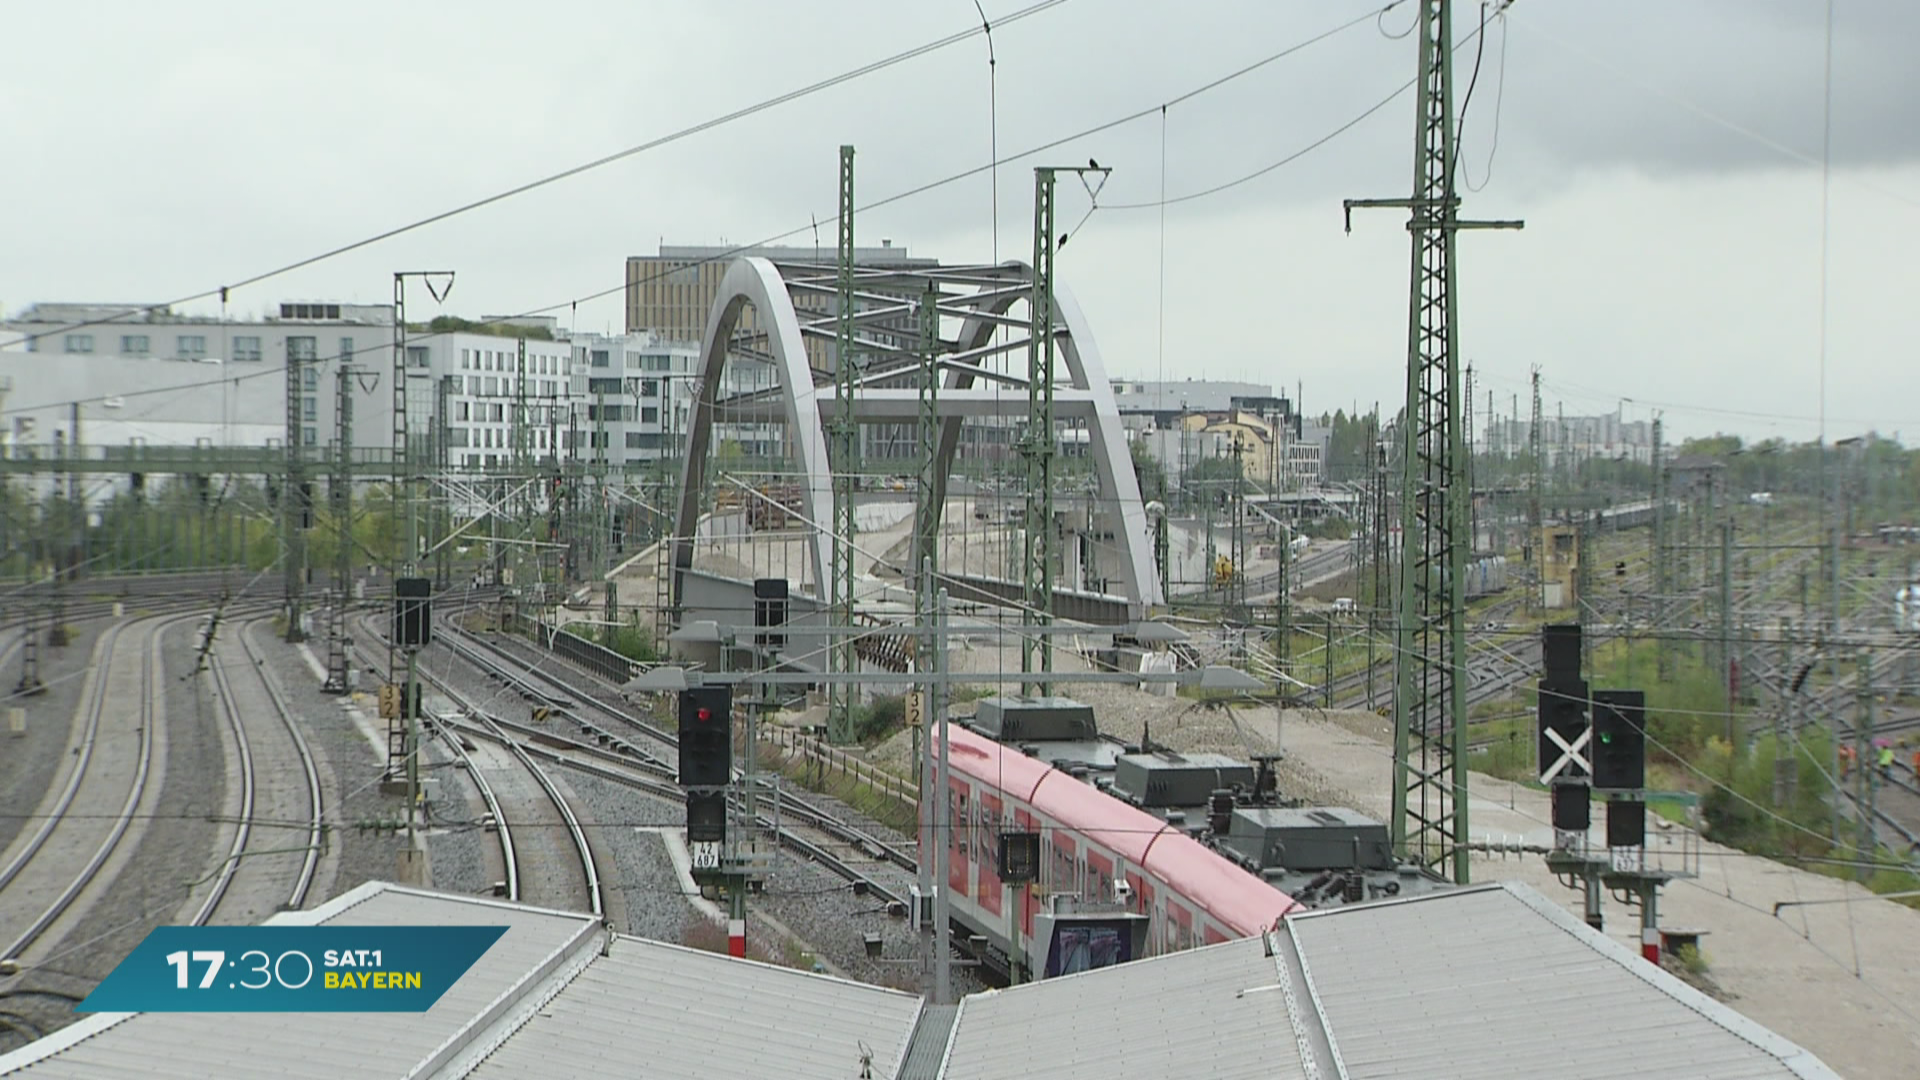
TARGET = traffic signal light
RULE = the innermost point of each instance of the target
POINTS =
(1626, 823)
(1566, 753)
(1019, 860)
(1619, 739)
(1560, 652)
(1572, 807)
(706, 816)
(412, 611)
(770, 609)
(706, 736)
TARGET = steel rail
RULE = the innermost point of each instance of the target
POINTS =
(316, 831)
(244, 827)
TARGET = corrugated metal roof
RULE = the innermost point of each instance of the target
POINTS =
(538, 945)
(1218, 1012)
(1488, 982)
(1497, 982)
(665, 1011)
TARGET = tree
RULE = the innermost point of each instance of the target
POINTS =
(1147, 472)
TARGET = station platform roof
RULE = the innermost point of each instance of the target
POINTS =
(1491, 981)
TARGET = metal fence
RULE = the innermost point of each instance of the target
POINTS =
(593, 657)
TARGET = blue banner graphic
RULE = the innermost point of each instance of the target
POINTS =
(291, 969)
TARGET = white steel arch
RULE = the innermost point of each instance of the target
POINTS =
(756, 281)
(1084, 393)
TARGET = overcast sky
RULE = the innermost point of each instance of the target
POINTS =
(156, 150)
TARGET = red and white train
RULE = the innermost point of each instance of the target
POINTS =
(1106, 867)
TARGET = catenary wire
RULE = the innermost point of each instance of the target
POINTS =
(729, 252)
(608, 159)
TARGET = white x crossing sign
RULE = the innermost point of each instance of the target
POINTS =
(1573, 756)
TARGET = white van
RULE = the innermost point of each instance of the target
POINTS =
(1343, 604)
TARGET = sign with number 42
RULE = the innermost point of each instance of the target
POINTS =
(706, 854)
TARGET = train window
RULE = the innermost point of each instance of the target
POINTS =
(957, 816)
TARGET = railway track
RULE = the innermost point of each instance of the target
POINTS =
(111, 766)
(518, 791)
(642, 756)
(578, 836)
(285, 749)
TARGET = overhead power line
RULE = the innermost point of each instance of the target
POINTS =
(553, 178)
(729, 252)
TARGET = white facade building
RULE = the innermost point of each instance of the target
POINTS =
(141, 375)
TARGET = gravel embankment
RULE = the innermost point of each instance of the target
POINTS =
(350, 769)
(33, 761)
(155, 876)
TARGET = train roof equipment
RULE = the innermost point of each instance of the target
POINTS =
(1018, 719)
(1165, 780)
(1056, 730)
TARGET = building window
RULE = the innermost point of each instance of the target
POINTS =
(246, 348)
(310, 436)
(650, 415)
(649, 387)
(599, 358)
(417, 356)
(496, 412)
(309, 409)
(191, 346)
(460, 411)
(466, 359)
(133, 344)
(346, 348)
(79, 343)
(298, 348)
(606, 386)
(310, 378)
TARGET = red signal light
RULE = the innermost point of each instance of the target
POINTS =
(703, 714)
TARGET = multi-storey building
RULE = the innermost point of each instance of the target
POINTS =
(1579, 438)
(140, 374)
(1279, 449)
(1144, 403)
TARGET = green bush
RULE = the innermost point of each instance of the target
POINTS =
(873, 723)
(1692, 959)
(631, 641)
